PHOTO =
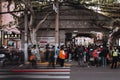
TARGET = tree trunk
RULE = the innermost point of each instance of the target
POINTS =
(33, 37)
(34, 42)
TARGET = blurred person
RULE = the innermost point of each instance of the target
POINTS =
(80, 51)
(57, 54)
(47, 52)
(51, 57)
(70, 54)
(62, 56)
(33, 57)
(103, 56)
(115, 53)
(95, 56)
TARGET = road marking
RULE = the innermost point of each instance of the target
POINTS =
(34, 76)
(59, 73)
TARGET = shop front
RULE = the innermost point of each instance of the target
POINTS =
(12, 39)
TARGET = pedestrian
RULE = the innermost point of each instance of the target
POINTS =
(57, 55)
(95, 56)
(32, 60)
(51, 57)
(103, 56)
(62, 56)
(47, 52)
(115, 53)
(33, 57)
(80, 51)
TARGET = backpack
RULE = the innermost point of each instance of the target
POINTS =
(62, 54)
(32, 57)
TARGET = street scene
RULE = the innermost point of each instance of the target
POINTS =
(59, 39)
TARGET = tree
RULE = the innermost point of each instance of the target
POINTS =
(27, 5)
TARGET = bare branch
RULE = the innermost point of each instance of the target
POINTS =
(9, 3)
(31, 18)
(38, 26)
(8, 9)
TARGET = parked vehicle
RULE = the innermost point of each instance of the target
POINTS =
(11, 57)
(2, 59)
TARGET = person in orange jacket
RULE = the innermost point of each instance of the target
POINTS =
(62, 56)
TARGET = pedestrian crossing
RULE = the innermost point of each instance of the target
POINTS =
(40, 73)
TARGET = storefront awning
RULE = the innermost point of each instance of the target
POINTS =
(10, 30)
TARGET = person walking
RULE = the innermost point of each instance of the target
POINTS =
(62, 56)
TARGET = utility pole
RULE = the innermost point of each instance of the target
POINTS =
(57, 24)
(56, 28)
(25, 34)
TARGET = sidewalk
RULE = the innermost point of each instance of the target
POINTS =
(27, 65)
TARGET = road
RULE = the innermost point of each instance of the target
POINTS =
(94, 73)
(41, 73)
(73, 72)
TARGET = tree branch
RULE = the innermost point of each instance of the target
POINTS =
(8, 9)
(38, 26)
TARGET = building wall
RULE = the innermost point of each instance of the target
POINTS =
(6, 18)
(51, 33)
(8, 24)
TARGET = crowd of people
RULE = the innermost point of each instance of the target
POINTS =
(90, 56)
(55, 56)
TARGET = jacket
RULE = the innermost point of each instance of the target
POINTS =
(62, 54)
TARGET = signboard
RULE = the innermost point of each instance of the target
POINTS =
(46, 40)
(12, 36)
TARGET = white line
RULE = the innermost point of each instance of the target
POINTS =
(39, 70)
(9, 73)
(35, 76)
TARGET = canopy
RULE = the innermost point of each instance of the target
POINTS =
(11, 29)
